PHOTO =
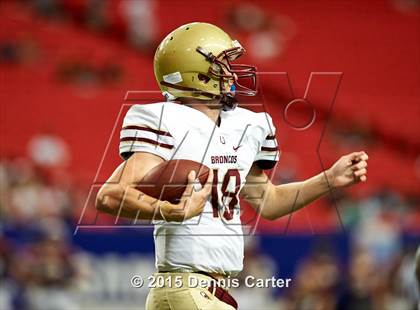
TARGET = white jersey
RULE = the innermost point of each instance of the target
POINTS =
(213, 241)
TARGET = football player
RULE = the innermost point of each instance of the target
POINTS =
(199, 120)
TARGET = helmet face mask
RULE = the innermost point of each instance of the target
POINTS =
(196, 61)
(244, 76)
(238, 72)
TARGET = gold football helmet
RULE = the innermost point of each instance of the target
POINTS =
(195, 61)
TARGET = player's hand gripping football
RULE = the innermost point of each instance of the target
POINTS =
(348, 170)
(192, 202)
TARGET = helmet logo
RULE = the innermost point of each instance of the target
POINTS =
(173, 78)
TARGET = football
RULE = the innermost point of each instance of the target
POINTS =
(168, 180)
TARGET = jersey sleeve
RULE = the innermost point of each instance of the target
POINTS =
(143, 131)
(268, 153)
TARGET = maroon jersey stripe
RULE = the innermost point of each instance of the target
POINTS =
(269, 149)
(145, 140)
(143, 128)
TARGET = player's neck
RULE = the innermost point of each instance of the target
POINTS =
(211, 110)
(213, 114)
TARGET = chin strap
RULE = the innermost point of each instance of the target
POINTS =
(228, 101)
(193, 90)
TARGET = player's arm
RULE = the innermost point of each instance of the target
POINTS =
(119, 196)
(274, 201)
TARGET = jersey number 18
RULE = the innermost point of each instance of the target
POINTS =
(228, 196)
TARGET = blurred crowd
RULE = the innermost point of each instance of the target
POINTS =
(37, 203)
(321, 283)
